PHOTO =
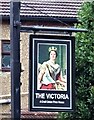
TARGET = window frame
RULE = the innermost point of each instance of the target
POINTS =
(4, 69)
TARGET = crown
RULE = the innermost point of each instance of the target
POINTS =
(52, 49)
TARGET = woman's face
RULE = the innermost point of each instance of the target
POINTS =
(52, 55)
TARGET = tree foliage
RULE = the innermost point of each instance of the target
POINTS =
(84, 58)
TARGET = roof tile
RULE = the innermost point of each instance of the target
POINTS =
(44, 8)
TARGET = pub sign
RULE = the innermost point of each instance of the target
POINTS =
(51, 73)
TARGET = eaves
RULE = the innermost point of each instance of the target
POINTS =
(47, 19)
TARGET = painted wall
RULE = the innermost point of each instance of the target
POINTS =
(5, 77)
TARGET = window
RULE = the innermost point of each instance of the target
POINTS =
(5, 60)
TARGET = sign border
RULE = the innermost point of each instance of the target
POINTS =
(32, 69)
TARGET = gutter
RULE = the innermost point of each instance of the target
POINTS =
(47, 19)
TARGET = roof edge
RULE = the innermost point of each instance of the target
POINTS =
(52, 19)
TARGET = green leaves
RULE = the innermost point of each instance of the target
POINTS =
(84, 58)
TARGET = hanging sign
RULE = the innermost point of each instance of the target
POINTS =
(51, 73)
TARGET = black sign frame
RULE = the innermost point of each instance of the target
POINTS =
(51, 100)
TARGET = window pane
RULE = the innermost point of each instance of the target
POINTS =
(6, 47)
(6, 61)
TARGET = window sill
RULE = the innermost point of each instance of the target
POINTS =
(5, 101)
(5, 69)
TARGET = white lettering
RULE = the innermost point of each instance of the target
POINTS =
(57, 96)
(40, 95)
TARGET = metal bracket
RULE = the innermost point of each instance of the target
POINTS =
(17, 23)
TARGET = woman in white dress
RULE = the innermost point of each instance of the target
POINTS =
(50, 75)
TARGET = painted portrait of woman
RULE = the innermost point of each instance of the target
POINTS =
(50, 74)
